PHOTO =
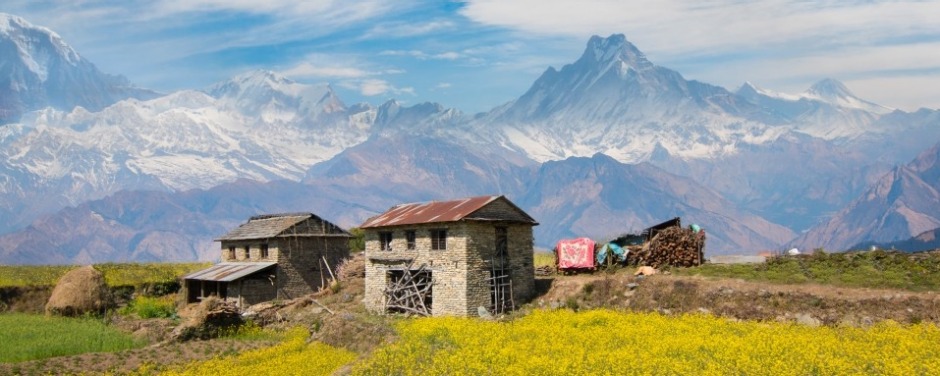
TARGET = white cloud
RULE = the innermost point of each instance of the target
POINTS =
(421, 55)
(341, 66)
(443, 85)
(447, 56)
(374, 87)
(408, 29)
(676, 26)
(309, 70)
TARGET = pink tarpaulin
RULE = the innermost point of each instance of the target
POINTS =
(575, 253)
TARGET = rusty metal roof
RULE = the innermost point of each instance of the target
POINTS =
(429, 212)
(229, 271)
(273, 225)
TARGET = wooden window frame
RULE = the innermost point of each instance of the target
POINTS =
(438, 239)
(410, 239)
(385, 240)
(264, 251)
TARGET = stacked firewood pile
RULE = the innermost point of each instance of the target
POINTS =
(675, 246)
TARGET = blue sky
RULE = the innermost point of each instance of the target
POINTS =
(474, 55)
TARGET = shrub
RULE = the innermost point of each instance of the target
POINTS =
(147, 307)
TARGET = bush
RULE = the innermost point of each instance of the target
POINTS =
(147, 307)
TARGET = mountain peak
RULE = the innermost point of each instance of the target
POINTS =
(32, 42)
(829, 88)
(835, 92)
(271, 96)
(612, 48)
(41, 70)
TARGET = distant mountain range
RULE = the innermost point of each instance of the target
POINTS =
(608, 144)
(902, 204)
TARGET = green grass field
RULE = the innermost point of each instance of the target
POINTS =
(29, 337)
(114, 274)
(875, 269)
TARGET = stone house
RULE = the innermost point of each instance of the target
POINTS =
(277, 256)
(449, 257)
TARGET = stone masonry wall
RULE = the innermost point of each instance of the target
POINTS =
(447, 266)
(299, 270)
(249, 250)
(298, 258)
(482, 251)
(460, 273)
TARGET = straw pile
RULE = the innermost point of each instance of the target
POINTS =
(80, 291)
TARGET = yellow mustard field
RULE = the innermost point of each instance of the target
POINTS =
(294, 356)
(604, 342)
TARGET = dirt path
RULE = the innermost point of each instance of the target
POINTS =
(739, 299)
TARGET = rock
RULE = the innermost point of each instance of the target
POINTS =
(632, 285)
(484, 313)
(807, 319)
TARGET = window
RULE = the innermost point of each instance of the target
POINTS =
(247, 252)
(385, 241)
(264, 251)
(410, 239)
(438, 239)
(502, 242)
(231, 252)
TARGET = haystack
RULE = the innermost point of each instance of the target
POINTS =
(352, 267)
(78, 292)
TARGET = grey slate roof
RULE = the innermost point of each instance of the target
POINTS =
(229, 271)
(281, 225)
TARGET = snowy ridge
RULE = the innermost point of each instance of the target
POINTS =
(827, 110)
(835, 93)
(29, 40)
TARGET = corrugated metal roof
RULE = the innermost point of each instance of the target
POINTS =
(429, 212)
(229, 271)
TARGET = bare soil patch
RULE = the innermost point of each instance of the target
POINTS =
(740, 299)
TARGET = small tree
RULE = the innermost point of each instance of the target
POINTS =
(357, 242)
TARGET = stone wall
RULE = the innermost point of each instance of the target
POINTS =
(482, 251)
(460, 273)
(250, 290)
(300, 269)
(249, 250)
(446, 266)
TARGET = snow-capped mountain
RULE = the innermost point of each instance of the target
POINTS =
(272, 98)
(38, 70)
(827, 110)
(761, 157)
(257, 126)
(834, 92)
(615, 101)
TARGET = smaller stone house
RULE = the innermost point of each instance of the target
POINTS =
(277, 256)
(456, 256)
